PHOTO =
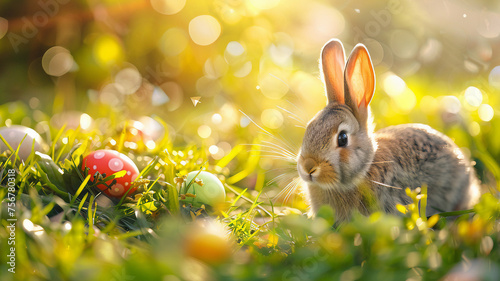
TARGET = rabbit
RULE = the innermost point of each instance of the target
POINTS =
(346, 165)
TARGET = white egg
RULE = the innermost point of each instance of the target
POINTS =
(14, 136)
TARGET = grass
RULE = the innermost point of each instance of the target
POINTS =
(67, 230)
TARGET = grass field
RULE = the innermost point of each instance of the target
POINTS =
(66, 230)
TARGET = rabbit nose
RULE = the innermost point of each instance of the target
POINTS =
(310, 166)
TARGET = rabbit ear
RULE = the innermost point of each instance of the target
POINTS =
(359, 80)
(332, 64)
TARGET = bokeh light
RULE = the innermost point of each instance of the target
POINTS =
(57, 61)
(34, 102)
(213, 149)
(394, 85)
(473, 96)
(111, 94)
(431, 50)
(494, 77)
(216, 152)
(85, 121)
(474, 128)
(451, 104)
(318, 23)
(216, 118)
(224, 146)
(204, 131)
(174, 93)
(272, 118)
(159, 97)
(107, 50)
(168, 7)
(215, 67)
(130, 79)
(306, 85)
(152, 128)
(244, 121)
(173, 42)
(235, 49)
(486, 112)
(244, 70)
(204, 29)
(272, 87)
(230, 15)
(281, 52)
(406, 101)
(150, 144)
(71, 119)
(489, 26)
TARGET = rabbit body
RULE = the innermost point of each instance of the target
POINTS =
(349, 167)
(410, 155)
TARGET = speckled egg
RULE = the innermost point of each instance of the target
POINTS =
(109, 162)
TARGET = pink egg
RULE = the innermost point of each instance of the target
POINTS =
(109, 162)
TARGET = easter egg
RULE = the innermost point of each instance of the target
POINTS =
(208, 242)
(211, 192)
(109, 162)
(14, 136)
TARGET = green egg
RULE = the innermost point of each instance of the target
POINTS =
(211, 193)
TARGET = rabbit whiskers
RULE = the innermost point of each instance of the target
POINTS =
(386, 185)
(278, 148)
(288, 191)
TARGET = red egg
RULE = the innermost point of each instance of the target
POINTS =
(109, 162)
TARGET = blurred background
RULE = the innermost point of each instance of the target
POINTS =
(210, 68)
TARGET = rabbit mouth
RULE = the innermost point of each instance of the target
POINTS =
(310, 176)
(321, 174)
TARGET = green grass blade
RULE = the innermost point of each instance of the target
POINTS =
(80, 189)
(456, 213)
(7, 144)
(423, 202)
(56, 139)
(230, 156)
(173, 199)
(80, 206)
(150, 166)
(91, 216)
(121, 141)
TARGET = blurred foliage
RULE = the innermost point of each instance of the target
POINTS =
(126, 75)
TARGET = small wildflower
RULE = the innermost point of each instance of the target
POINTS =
(179, 180)
(139, 182)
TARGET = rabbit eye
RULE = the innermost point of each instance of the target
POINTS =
(342, 139)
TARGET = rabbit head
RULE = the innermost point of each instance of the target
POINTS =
(338, 146)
